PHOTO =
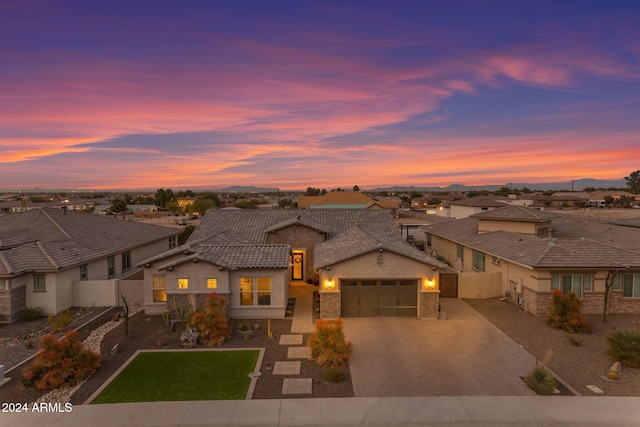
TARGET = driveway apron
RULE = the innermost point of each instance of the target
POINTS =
(464, 355)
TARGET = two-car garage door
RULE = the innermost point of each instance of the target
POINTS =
(384, 297)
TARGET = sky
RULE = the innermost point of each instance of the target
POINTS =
(290, 94)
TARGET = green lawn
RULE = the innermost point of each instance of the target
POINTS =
(183, 375)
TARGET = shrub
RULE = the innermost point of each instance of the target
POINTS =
(32, 313)
(334, 374)
(566, 313)
(540, 380)
(211, 322)
(61, 321)
(328, 345)
(624, 346)
(61, 362)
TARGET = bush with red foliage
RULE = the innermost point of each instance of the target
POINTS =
(566, 313)
(211, 321)
(328, 344)
(61, 362)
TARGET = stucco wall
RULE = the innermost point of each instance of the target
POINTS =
(94, 293)
(300, 237)
(480, 285)
(521, 227)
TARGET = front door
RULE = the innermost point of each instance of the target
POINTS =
(297, 271)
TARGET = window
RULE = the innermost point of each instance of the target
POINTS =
(111, 266)
(478, 261)
(173, 242)
(183, 283)
(126, 261)
(543, 232)
(159, 288)
(84, 273)
(631, 285)
(460, 252)
(429, 239)
(39, 284)
(255, 291)
(4, 284)
(577, 283)
(212, 283)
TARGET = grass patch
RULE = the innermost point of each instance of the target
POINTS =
(183, 375)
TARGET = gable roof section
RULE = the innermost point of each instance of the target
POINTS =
(357, 241)
(576, 243)
(49, 239)
(251, 225)
(236, 257)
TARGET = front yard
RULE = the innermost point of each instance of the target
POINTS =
(183, 375)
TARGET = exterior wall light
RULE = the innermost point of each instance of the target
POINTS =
(429, 284)
(328, 284)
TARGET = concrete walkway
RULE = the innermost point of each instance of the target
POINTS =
(391, 411)
(303, 314)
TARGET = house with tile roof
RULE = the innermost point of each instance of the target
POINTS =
(462, 208)
(58, 258)
(336, 199)
(526, 254)
(356, 257)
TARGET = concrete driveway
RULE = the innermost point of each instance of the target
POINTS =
(464, 355)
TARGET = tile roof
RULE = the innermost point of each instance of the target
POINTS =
(481, 202)
(251, 225)
(516, 213)
(358, 241)
(47, 239)
(576, 243)
(236, 257)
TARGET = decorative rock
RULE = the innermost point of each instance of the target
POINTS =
(190, 336)
(114, 350)
(616, 368)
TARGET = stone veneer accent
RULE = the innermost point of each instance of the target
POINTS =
(329, 304)
(428, 304)
(13, 303)
(538, 303)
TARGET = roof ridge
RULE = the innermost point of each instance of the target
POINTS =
(47, 255)
(58, 226)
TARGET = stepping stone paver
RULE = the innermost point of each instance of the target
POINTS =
(290, 339)
(297, 386)
(299, 353)
(286, 368)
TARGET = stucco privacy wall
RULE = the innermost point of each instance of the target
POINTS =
(479, 285)
(107, 293)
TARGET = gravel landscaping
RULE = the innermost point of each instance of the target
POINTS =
(579, 365)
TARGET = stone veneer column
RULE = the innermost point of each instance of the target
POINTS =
(329, 304)
(428, 304)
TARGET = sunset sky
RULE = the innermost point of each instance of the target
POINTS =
(291, 94)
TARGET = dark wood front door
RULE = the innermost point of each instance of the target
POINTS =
(297, 271)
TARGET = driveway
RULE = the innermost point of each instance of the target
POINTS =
(464, 355)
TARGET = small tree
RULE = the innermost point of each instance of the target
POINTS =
(633, 182)
(119, 206)
(211, 322)
(608, 284)
(126, 315)
(328, 345)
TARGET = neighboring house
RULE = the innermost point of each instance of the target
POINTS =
(527, 254)
(336, 199)
(57, 258)
(356, 256)
(466, 207)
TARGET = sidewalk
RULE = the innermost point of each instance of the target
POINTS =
(482, 411)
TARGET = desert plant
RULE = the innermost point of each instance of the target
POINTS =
(212, 322)
(61, 321)
(166, 317)
(566, 313)
(60, 363)
(32, 313)
(624, 346)
(334, 374)
(540, 379)
(328, 345)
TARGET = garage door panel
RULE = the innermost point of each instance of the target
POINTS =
(374, 298)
